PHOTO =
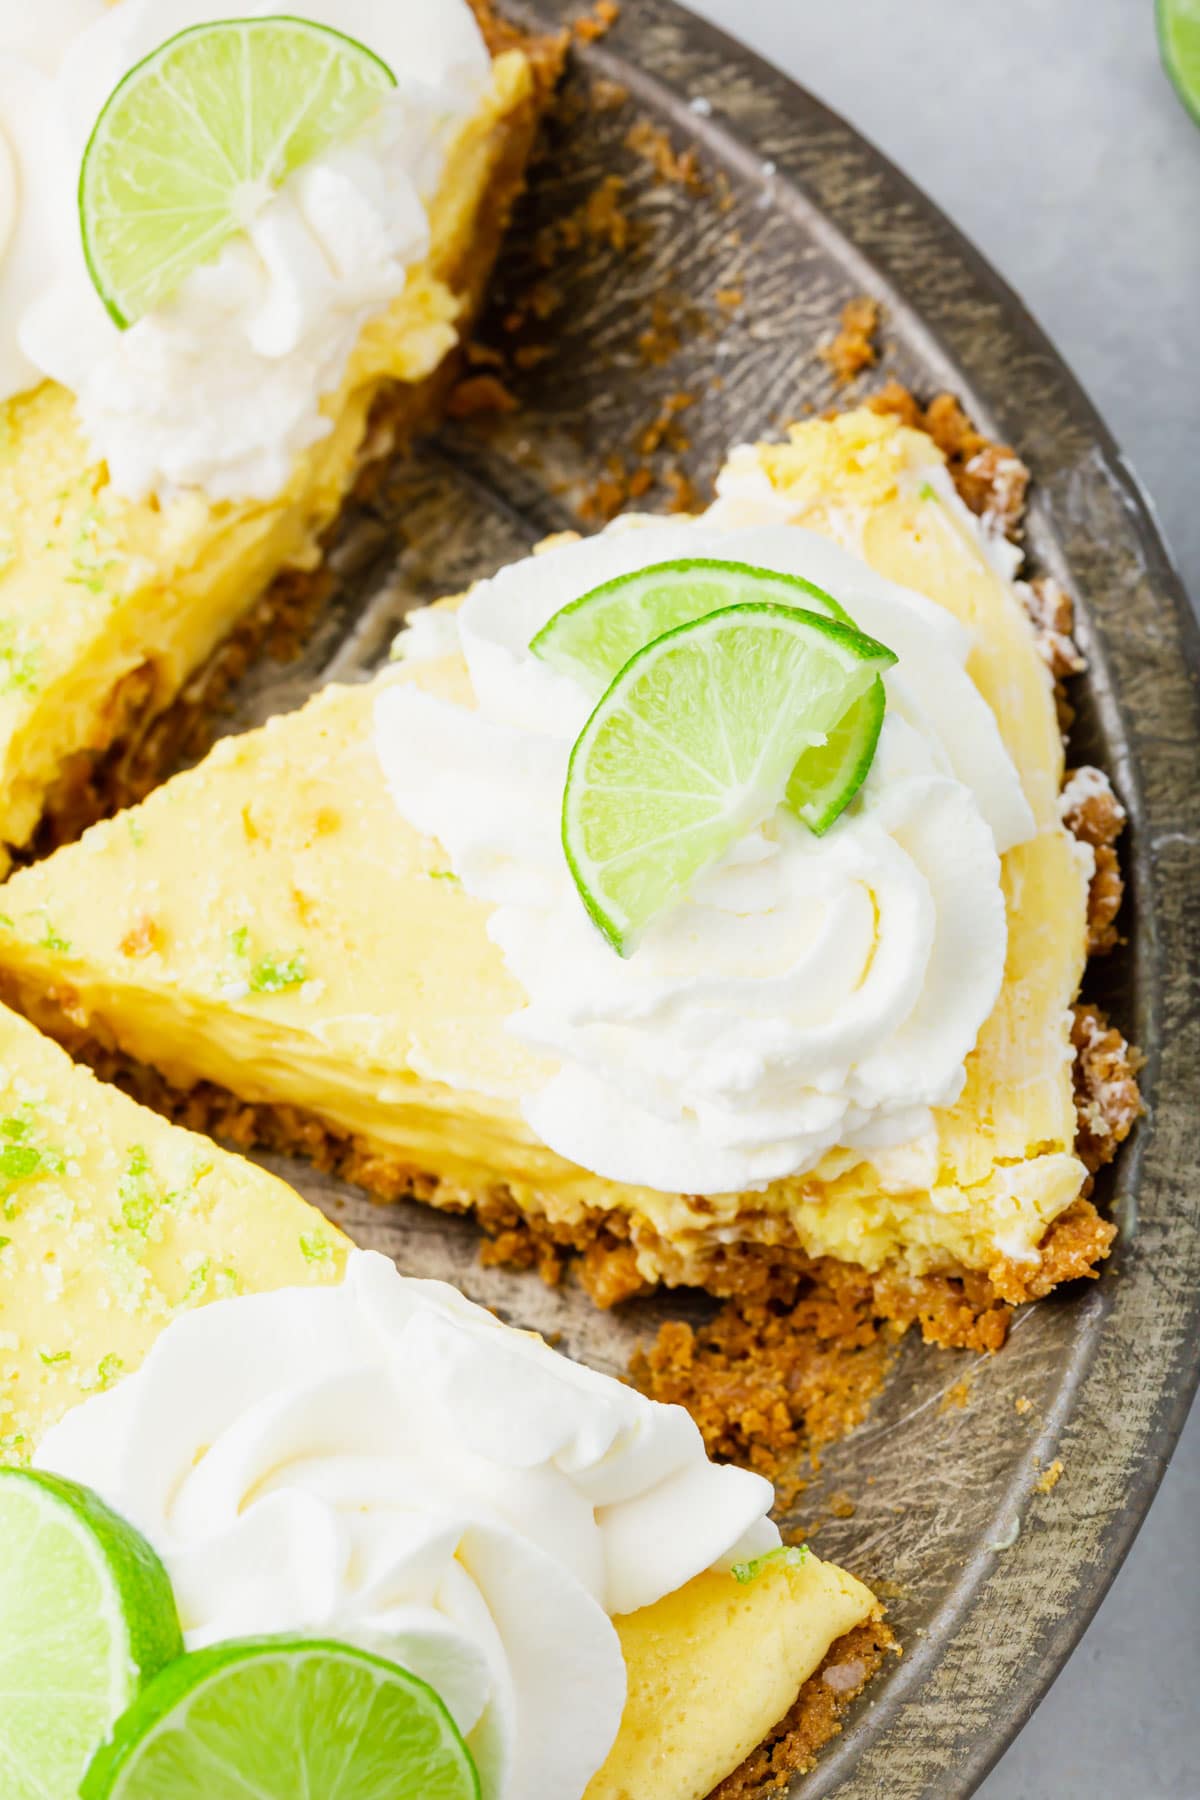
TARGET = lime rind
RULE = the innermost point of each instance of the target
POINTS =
(291, 1716)
(86, 1615)
(195, 135)
(827, 777)
(693, 744)
(1179, 41)
(592, 638)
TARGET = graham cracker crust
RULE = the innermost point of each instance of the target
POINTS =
(816, 1716)
(148, 732)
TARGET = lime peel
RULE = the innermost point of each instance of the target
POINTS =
(1179, 38)
(592, 638)
(199, 133)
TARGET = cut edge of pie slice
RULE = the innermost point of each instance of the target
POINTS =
(266, 937)
(114, 1221)
(122, 623)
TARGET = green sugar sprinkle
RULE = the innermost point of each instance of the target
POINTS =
(20, 1161)
(89, 564)
(792, 1556)
(139, 1193)
(137, 836)
(4, 1243)
(272, 973)
(21, 1157)
(108, 1369)
(53, 940)
(19, 663)
(60, 1356)
(927, 491)
(315, 1248)
(444, 875)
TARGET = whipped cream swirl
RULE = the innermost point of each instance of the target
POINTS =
(810, 992)
(220, 388)
(383, 1463)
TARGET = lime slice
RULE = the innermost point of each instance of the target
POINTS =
(595, 636)
(280, 1718)
(86, 1615)
(693, 745)
(1179, 35)
(196, 137)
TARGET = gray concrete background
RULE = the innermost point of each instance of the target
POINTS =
(1047, 131)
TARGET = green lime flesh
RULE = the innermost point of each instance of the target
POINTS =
(86, 1615)
(1179, 36)
(827, 777)
(281, 1719)
(593, 637)
(191, 142)
(693, 745)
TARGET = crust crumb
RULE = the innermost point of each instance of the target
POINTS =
(598, 22)
(654, 146)
(143, 938)
(853, 348)
(1051, 1478)
(1022, 1404)
(957, 1398)
(1052, 612)
(608, 96)
(1092, 812)
(1076, 1243)
(480, 394)
(662, 431)
(990, 477)
(1107, 1097)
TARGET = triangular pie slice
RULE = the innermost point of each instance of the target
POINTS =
(113, 1223)
(269, 935)
(110, 607)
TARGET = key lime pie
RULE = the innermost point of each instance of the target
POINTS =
(281, 230)
(696, 895)
(240, 1428)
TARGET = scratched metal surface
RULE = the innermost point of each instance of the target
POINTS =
(798, 214)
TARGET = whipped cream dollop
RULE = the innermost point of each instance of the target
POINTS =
(219, 388)
(383, 1463)
(809, 992)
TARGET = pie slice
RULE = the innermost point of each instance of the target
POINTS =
(121, 618)
(115, 1223)
(301, 967)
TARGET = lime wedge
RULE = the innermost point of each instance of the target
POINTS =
(693, 745)
(86, 1615)
(1179, 35)
(280, 1718)
(196, 137)
(595, 636)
